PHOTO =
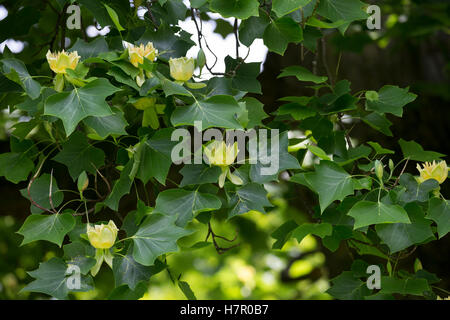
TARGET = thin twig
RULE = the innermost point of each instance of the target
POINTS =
(403, 170)
(236, 36)
(219, 249)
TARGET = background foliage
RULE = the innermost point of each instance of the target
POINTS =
(314, 79)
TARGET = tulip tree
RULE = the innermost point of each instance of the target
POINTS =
(104, 113)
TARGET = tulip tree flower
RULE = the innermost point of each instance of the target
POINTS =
(436, 171)
(182, 69)
(138, 53)
(136, 56)
(102, 237)
(221, 155)
(59, 62)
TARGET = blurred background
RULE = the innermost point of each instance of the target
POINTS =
(411, 49)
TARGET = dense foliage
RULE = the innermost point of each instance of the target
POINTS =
(102, 114)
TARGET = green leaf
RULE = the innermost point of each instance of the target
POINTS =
(186, 289)
(379, 149)
(197, 3)
(121, 187)
(404, 286)
(302, 74)
(314, 22)
(170, 41)
(51, 279)
(171, 88)
(223, 27)
(155, 156)
(283, 7)
(379, 123)
(439, 212)
(285, 160)
(15, 167)
(98, 11)
(125, 293)
(40, 191)
(244, 78)
(330, 182)
(199, 174)
(256, 111)
(391, 99)
(367, 213)
(253, 28)
(78, 155)
(279, 33)
(347, 287)
(241, 9)
(91, 49)
(414, 151)
(114, 17)
(283, 233)
(16, 71)
(353, 154)
(297, 111)
(72, 107)
(336, 10)
(127, 271)
(251, 197)
(217, 111)
(415, 191)
(80, 253)
(318, 152)
(51, 228)
(318, 229)
(185, 205)
(157, 235)
(110, 125)
(399, 236)
(339, 233)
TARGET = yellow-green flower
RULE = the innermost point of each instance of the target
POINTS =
(102, 236)
(182, 69)
(61, 61)
(221, 155)
(138, 53)
(436, 171)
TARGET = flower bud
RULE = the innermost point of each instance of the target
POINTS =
(61, 61)
(102, 236)
(201, 59)
(391, 165)
(182, 69)
(372, 95)
(379, 170)
(83, 182)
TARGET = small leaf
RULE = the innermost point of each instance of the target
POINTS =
(114, 17)
(414, 151)
(391, 99)
(302, 74)
(241, 9)
(367, 213)
(439, 212)
(186, 289)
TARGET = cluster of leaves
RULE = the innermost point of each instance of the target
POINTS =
(94, 129)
